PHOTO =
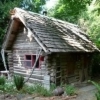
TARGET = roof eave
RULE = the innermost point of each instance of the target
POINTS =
(6, 38)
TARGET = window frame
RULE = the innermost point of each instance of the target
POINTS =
(32, 61)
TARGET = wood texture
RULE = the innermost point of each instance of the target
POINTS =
(68, 67)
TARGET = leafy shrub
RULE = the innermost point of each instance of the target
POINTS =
(2, 80)
(52, 87)
(97, 85)
(36, 89)
(2, 83)
(39, 89)
(19, 82)
(9, 87)
(28, 89)
(69, 89)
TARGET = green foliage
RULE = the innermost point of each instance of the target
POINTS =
(19, 82)
(28, 89)
(7, 5)
(69, 10)
(69, 89)
(36, 89)
(33, 5)
(2, 83)
(89, 21)
(97, 95)
(97, 85)
(84, 12)
(52, 87)
(10, 87)
(39, 89)
(2, 80)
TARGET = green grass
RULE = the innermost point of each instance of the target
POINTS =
(17, 86)
(2, 83)
(69, 89)
(36, 89)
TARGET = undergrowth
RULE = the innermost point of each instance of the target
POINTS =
(17, 86)
(97, 85)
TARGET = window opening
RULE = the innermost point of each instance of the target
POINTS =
(30, 60)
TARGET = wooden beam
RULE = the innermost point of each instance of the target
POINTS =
(8, 34)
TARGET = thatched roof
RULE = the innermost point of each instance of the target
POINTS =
(55, 35)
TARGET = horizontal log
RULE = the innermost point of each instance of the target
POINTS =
(32, 80)
(10, 63)
(10, 56)
(9, 51)
(11, 67)
(36, 76)
(25, 41)
(27, 46)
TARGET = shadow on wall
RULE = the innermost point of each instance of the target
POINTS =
(96, 66)
(2, 68)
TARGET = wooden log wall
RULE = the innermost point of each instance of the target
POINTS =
(19, 66)
(67, 68)
(23, 46)
(23, 42)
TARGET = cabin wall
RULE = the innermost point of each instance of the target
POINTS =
(20, 68)
(68, 67)
(23, 46)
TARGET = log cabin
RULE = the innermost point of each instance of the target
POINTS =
(58, 51)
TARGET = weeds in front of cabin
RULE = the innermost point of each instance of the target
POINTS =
(2, 85)
(17, 86)
(19, 82)
(41, 90)
(10, 87)
(37, 89)
(70, 90)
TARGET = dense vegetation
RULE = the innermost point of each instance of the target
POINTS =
(69, 10)
(17, 85)
(86, 13)
(7, 5)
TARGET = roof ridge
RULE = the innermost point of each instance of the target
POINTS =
(54, 19)
(50, 18)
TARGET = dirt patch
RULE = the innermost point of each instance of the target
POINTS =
(57, 98)
(11, 97)
(7, 97)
